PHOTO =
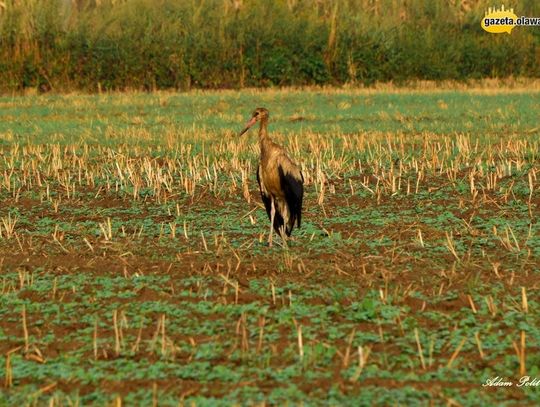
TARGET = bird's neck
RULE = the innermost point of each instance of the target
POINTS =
(263, 133)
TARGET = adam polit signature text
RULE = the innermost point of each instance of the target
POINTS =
(524, 381)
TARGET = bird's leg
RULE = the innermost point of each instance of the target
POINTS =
(283, 236)
(282, 233)
(272, 216)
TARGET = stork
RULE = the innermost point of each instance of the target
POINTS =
(280, 181)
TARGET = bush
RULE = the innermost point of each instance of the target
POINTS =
(155, 44)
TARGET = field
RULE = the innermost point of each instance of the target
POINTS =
(134, 267)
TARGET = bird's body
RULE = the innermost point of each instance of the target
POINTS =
(280, 181)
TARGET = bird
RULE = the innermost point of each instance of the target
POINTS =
(280, 180)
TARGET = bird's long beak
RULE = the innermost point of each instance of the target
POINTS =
(248, 125)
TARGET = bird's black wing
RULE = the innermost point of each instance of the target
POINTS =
(293, 188)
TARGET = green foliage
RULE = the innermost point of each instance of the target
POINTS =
(156, 44)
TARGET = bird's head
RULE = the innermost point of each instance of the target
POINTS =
(258, 114)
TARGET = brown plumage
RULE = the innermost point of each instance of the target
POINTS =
(280, 180)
